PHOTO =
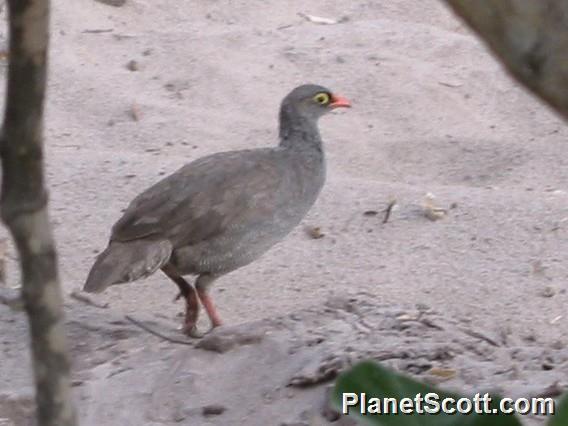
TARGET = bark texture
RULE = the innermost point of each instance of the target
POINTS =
(23, 206)
(529, 37)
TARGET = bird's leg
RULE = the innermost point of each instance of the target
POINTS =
(186, 291)
(202, 285)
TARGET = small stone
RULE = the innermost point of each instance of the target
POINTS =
(314, 232)
(547, 366)
(213, 410)
(548, 291)
(133, 65)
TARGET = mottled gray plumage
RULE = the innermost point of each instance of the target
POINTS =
(222, 211)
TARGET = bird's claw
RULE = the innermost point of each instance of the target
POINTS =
(194, 332)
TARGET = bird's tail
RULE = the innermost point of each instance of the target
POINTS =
(123, 262)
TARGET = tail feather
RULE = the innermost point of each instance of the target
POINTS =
(125, 262)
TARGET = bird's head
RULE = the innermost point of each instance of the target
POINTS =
(312, 101)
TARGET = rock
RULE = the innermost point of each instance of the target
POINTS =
(320, 370)
(328, 412)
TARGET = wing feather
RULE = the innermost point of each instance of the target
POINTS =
(208, 196)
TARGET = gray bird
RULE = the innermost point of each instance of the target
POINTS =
(222, 211)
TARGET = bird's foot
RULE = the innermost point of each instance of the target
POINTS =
(194, 332)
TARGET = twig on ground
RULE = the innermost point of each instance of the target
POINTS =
(78, 295)
(109, 30)
(388, 210)
(481, 336)
(120, 370)
(162, 336)
(318, 19)
(428, 323)
(453, 85)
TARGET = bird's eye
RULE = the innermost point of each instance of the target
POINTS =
(322, 98)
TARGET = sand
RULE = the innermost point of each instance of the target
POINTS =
(137, 91)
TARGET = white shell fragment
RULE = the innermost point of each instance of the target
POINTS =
(318, 19)
(431, 211)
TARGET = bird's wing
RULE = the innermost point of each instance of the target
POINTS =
(208, 196)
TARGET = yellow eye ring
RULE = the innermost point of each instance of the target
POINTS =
(322, 98)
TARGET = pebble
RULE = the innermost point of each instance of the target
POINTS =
(548, 292)
(213, 410)
(133, 65)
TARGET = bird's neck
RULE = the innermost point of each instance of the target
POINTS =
(298, 131)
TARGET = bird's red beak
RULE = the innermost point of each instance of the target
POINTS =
(339, 102)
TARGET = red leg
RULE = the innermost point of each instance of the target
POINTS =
(187, 291)
(207, 303)
(191, 312)
(202, 285)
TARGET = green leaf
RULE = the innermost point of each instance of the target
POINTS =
(376, 381)
(560, 417)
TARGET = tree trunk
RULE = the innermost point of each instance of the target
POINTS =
(530, 37)
(23, 206)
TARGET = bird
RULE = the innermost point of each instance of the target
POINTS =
(221, 212)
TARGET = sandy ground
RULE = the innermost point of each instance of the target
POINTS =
(433, 113)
